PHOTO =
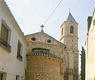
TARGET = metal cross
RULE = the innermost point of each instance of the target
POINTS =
(42, 26)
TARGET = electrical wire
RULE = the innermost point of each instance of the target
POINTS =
(53, 12)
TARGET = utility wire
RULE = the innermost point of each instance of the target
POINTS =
(52, 12)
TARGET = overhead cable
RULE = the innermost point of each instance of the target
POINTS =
(53, 12)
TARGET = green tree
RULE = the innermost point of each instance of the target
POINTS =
(83, 64)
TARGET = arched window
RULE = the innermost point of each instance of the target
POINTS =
(71, 29)
(38, 50)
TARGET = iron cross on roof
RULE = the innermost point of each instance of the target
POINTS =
(42, 26)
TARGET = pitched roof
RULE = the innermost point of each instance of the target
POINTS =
(71, 18)
(43, 33)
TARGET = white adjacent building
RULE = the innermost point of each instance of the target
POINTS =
(90, 48)
(12, 46)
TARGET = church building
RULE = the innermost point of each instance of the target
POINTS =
(37, 56)
(49, 59)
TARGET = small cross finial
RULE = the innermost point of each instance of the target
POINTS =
(69, 10)
(42, 26)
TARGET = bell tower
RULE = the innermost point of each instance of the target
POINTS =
(69, 36)
(69, 32)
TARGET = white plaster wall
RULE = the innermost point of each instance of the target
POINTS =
(8, 60)
(90, 58)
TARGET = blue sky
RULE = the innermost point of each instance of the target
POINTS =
(30, 14)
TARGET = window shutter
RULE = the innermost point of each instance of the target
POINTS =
(19, 49)
(4, 33)
(1, 76)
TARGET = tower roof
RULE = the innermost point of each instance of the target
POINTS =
(71, 18)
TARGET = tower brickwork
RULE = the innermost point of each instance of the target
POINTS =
(69, 36)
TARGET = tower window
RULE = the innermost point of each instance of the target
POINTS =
(71, 29)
